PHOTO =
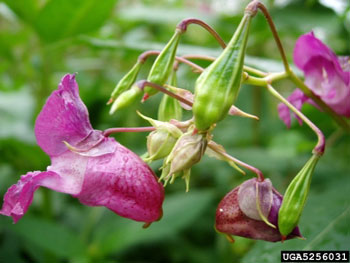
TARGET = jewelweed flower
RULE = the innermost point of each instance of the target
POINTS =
(327, 75)
(251, 210)
(93, 168)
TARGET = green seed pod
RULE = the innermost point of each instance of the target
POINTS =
(162, 66)
(217, 87)
(126, 98)
(159, 144)
(170, 108)
(295, 197)
(126, 82)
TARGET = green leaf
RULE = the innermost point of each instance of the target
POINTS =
(65, 18)
(26, 10)
(49, 236)
(16, 111)
(329, 230)
(161, 15)
(180, 210)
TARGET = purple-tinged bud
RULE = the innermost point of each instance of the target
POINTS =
(251, 210)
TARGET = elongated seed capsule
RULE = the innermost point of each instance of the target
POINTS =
(170, 108)
(126, 82)
(163, 64)
(217, 87)
(295, 198)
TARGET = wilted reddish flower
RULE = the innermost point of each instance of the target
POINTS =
(242, 212)
(96, 169)
(327, 75)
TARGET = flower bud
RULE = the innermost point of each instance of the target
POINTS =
(126, 82)
(126, 98)
(159, 144)
(295, 197)
(251, 210)
(162, 66)
(187, 151)
(217, 87)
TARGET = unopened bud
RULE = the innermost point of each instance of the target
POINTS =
(187, 151)
(163, 65)
(295, 197)
(159, 144)
(217, 87)
(126, 98)
(126, 82)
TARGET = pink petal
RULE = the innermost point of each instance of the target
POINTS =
(19, 196)
(123, 183)
(231, 220)
(328, 84)
(308, 47)
(247, 197)
(297, 99)
(325, 74)
(64, 117)
(96, 169)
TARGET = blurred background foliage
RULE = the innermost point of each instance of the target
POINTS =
(41, 40)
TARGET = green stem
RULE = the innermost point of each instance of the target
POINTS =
(254, 71)
(301, 85)
(267, 79)
(319, 148)
(247, 79)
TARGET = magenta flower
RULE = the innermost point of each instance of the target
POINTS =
(251, 210)
(327, 75)
(95, 169)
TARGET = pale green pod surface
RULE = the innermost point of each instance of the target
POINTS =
(170, 108)
(217, 87)
(163, 65)
(159, 144)
(295, 197)
(126, 82)
(126, 98)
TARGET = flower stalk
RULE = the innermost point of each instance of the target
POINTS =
(320, 146)
(182, 26)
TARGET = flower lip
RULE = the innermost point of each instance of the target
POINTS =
(230, 219)
(64, 117)
(95, 169)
